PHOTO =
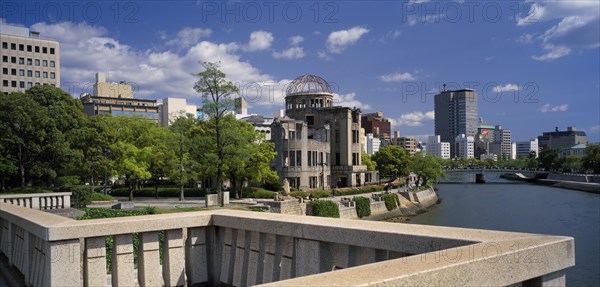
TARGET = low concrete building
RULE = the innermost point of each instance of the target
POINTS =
(407, 143)
(318, 145)
(372, 144)
(173, 108)
(577, 150)
(117, 99)
(561, 139)
(464, 146)
(523, 148)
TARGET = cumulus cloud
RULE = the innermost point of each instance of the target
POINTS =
(154, 73)
(397, 77)
(506, 88)
(296, 40)
(291, 53)
(413, 119)
(525, 38)
(554, 108)
(338, 41)
(259, 40)
(578, 27)
(594, 129)
(188, 37)
(349, 100)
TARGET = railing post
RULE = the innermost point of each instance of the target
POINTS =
(173, 258)
(95, 261)
(122, 261)
(196, 261)
(62, 263)
(307, 257)
(149, 272)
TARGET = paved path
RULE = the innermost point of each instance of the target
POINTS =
(173, 202)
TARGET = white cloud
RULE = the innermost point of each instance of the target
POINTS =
(296, 40)
(506, 88)
(390, 35)
(259, 40)
(578, 27)
(187, 37)
(488, 58)
(154, 73)
(554, 108)
(291, 53)
(323, 55)
(397, 77)
(525, 38)
(413, 119)
(349, 100)
(554, 52)
(417, 1)
(594, 129)
(338, 41)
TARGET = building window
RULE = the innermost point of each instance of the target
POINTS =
(52, 51)
(37, 74)
(298, 158)
(4, 45)
(45, 75)
(37, 84)
(5, 83)
(22, 73)
(13, 46)
(22, 85)
(29, 62)
(52, 64)
(21, 61)
(29, 73)
(355, 158)
(29, 48)
(13, 72)
(354, 136)
(13, 60)
(52, 75)
(5, 71)
(5, 59)
(45, 63)
(312, 182)
(37, 62)
(13, 84)
(45, 50)
(37, 49)
(21, 47)
(29, 85)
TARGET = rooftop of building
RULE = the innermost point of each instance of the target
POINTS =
(15, 30)
(308, 84)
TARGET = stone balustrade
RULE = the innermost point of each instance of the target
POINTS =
(51, 200)
(240, 248)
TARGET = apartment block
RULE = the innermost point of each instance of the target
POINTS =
(27, 60)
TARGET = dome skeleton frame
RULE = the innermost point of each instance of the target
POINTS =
(308, 84)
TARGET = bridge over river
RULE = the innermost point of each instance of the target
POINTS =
(486, 175)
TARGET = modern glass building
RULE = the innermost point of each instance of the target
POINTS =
(455, 114)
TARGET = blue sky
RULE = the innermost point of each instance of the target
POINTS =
(535, 65)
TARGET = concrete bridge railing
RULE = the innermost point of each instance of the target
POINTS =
(51, 200)
(242, 248)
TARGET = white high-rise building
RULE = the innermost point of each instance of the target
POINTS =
(465, 146)
(172, 108)
(525, 147)
(372, 144)
(438, 148)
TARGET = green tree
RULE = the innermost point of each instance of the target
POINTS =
(184, 130)
(427, 168)
(549, 159)
(368, 161)
(392, 161)
(218, 93)
(572, 164)
(591, 158)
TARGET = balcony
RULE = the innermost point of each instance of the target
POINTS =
(241, 248)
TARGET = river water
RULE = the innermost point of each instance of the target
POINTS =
(526, 208)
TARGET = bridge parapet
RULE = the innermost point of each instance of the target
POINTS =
(241, 248)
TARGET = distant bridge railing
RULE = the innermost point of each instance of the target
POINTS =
(241, 248)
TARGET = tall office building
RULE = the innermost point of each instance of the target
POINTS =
(455, 114)
(376, 124)
(27, 59)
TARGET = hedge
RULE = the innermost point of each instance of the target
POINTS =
(311, 194)
(391, 201)
(363, 206)
(258, 192)
(96, 196)
(172, 191)
(325, 208)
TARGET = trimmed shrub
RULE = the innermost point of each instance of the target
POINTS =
(363, 206)
(68, 180)
(325, 208)
(163, 191)
(257, 192)
(96, 196)
(391, 201)
(81, 195)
